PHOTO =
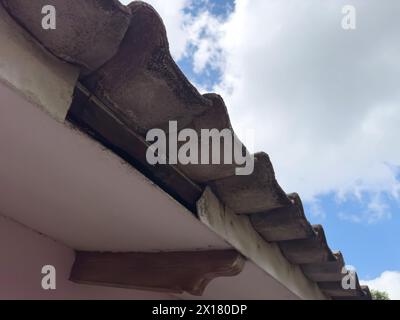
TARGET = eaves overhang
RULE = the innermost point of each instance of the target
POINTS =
(130, 84)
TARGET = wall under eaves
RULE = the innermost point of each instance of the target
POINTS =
(23, 255)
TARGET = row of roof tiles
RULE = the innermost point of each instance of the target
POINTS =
(123, 53)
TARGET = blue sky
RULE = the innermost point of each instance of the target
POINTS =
(370, 247)
(323, 103)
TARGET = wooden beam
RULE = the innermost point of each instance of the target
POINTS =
(173, 272)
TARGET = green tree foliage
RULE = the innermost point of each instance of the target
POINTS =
(379, 295)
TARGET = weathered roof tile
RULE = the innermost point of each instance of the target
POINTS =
(88, 32)
(254, 193)
(306, 251)
(285, 223)
(142, 83)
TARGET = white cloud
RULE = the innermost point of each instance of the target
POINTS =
(324, 102)
(376, 209)
(388, 282)
(205, 32)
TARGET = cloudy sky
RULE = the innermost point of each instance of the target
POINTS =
(323, 102)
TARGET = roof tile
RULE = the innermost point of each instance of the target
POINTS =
(88, 34)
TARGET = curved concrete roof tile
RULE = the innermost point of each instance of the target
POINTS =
(310, 250)
(285, 223)
(258, 192)
(88, 32)
(142, 83)
(215, 117)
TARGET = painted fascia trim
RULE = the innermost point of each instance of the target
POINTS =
(238, 232)
(30, 70)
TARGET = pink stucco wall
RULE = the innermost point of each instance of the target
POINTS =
(24, 252)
